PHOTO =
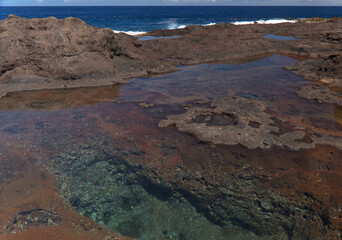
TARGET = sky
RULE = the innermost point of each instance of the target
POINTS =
(170, 2)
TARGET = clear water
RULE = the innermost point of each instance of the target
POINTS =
(96, 141)
(147, 38)
(280, 38)
(151, 18)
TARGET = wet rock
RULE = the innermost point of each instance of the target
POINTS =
(146, 105)
(32, 219)
(128, 199)
(253, 127)
(129, 228)
(103, 183)
(327, 70)
(320, 94)
(314, 20)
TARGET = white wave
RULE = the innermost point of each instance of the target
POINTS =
(174, 25)
(272, 21)
(130, 32)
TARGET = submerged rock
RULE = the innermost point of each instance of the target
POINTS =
(237, 201)
(32, 219)
(253, 127)
(129, 228)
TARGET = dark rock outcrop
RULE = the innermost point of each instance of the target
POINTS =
(33, 218)
(327, 70)
(320, 94)
(55, 53)
(326, 73)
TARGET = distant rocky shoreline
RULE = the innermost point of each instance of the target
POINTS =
(52, 53)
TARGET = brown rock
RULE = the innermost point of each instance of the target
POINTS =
(33, 218)
(320, 94)
(327, 70)
(54, 53)
(244, 122)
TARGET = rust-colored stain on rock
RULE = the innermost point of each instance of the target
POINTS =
(31, 207)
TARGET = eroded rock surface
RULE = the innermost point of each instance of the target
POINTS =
(234, 199)
(246, 123)
(54, 53)
(326, 73)
(33, 218)
(320, 94)
(327, 70)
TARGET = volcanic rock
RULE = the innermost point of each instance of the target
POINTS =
(252, 126)
(327, 70)
(54, 53)
(33, 218)
(57, 53)
(320, 94)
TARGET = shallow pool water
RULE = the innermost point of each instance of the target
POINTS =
(115, 166)
(147, 38)
(280, 38)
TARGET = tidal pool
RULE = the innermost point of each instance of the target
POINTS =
(147, 38)
(115, 166)
(280, 38)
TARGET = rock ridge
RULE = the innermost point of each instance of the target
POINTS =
(63, 53)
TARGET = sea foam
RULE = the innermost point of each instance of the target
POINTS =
(173, 25)
(271, 21)
(133, 33)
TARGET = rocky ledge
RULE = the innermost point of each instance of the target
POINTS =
(236, 120)
(53, 53)
(58, 53)
(321, 94)
(325, 73)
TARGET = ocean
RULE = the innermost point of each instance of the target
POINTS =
(134, 20)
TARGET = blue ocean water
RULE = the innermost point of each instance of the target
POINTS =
(152, 18)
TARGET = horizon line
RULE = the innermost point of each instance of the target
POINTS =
(172, 6)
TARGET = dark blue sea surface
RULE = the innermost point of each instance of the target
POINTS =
(152, 18)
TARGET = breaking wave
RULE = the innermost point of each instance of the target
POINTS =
(175, 25)
(134, 33)
(271, 21)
